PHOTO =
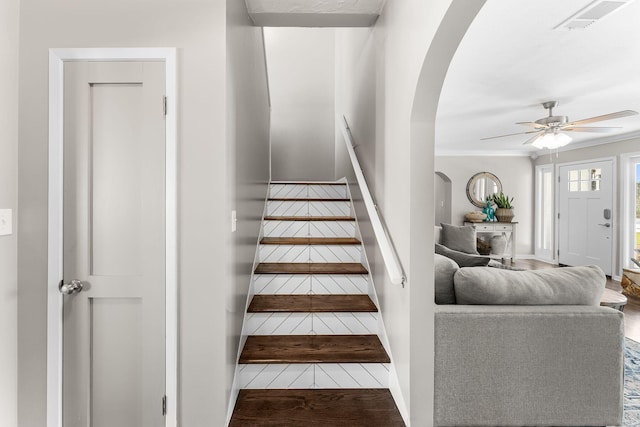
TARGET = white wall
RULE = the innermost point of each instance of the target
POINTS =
(517, 177)
(247, 149)
(198, 30)
(381, 70)
(9, 12)
(301, 64)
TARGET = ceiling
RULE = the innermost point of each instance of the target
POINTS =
(512, 59)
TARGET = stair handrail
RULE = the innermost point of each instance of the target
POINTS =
(389, 253)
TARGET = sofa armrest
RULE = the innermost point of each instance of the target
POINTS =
(528, 365)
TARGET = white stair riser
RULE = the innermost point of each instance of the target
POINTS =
(302, 191)
(334, 323)
(309, 229)
(302, 209)
(310, 253)
(308, 376)
(302, 284)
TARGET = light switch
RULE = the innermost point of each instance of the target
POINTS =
(234, 221)
(5, 222)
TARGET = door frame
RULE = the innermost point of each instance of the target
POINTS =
(615, 219)
(57, 58)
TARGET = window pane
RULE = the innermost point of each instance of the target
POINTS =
(584, 185)
(573, 186)
(596, 173)
(584, 174)
(595, 185)
(573, 175)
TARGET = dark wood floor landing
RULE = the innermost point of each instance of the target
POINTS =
(316, 407)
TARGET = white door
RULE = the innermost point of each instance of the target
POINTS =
(585, 224)
(114, 222)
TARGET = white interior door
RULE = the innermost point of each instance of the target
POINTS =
(585, 224)
(114, 244)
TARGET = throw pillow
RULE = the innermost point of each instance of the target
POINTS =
(556, 286)
(445, 268)
(459, 238)
(461, 258)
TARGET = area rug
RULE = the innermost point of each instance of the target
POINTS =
(631, 383)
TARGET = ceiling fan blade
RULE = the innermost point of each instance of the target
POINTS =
(532, 139)
(510, 134)
(591, 129)
(533, 125)
(609, 116)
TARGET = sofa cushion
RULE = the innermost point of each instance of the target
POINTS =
(497, 264)
(558, 286)
(459, 238)
(461, 258)
(444, 268)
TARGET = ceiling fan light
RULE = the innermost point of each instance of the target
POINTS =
(552, 141)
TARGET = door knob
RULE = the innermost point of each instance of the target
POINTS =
(605, 225)
(70, 288)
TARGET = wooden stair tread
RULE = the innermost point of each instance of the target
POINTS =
(316, 407)
(307, 183)
(309, 241)
(309, 218)
(310, 268)
(311, 304)
(309, 199)
(313, 349)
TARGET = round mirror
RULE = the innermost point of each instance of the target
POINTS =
(481, 186)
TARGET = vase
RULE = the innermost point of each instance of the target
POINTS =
(504, 215)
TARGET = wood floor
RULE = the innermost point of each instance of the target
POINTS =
(631, 310)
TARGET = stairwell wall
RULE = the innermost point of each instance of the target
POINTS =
(248, 124)
(301, 80)
(380, 85)
(9, 17)
(197, 29)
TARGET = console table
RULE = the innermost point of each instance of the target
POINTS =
(508, 230)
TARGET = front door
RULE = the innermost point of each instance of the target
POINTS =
(585, 223)
(114, 244)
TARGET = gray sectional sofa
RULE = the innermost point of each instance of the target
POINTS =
(525, 348)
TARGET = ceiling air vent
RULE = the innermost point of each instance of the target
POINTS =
(591, 14)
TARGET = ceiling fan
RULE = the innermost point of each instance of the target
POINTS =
(549, 131)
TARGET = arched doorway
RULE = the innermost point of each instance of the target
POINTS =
(442, 198)
(457, 20)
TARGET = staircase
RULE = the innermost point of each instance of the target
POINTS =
(313, 353)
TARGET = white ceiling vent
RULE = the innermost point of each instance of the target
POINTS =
(591, 14)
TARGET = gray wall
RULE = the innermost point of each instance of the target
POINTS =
(301, 64)
(248, 147)
(517, 177)
(8, 200)
(208, 185)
